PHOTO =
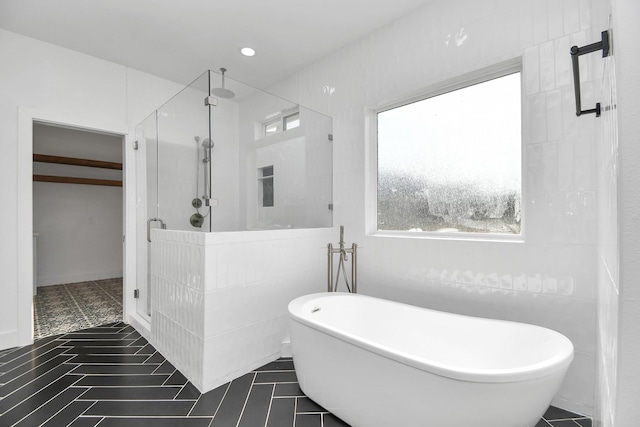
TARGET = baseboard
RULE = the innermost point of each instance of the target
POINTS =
(8, 339)
(217, 382)
(286, 349)
(77, 278)
(141, 325)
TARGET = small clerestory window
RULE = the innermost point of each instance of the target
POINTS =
(281, 121)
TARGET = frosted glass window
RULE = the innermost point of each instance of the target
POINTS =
(452, 162)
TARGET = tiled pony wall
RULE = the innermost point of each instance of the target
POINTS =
(551, 277)
(219, 300)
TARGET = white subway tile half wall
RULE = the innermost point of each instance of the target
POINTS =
(219, 300)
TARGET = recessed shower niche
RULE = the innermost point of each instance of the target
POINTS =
(221, 198)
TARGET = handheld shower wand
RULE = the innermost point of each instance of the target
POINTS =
(207, 144)
(197, 219)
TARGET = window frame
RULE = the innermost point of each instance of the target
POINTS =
(281, 119)
(371, 121)
(286, 121)
(265, 125)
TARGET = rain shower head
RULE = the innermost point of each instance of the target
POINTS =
(221, 91)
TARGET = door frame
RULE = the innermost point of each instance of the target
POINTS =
(24, 206)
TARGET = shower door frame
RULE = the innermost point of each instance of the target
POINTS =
(142, 292)
(142, 307)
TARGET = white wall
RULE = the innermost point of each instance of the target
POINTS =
(618, 198)
(302, 163)
(626, 34)
(79, 227)
(608, 254)
(42, 81)
(550, 279)
(180, 121)
(225, 168)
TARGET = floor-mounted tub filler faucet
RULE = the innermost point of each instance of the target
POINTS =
(343, 257)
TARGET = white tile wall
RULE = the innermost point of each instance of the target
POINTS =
(551, 278)
(219, 300)
(608, 255)
(49, 83)
(177, 300)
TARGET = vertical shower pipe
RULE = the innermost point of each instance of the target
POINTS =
(330, 267)
(354, 268)
(207, 163)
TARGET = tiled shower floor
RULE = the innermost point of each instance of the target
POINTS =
(109, 376)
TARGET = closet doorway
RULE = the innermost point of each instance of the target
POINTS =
(78, 219)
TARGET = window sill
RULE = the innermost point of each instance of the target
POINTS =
(434, 235)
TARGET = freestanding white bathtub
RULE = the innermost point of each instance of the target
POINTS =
(374, 362)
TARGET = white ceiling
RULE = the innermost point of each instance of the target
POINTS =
(179, 40)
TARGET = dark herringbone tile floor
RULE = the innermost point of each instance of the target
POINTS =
(109, 376)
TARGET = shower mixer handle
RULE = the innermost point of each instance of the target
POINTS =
(149, 221)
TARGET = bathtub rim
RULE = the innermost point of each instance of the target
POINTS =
(558, 364)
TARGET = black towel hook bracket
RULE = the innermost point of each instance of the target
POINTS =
(576, 52)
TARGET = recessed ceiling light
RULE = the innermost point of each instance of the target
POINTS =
(247, 51)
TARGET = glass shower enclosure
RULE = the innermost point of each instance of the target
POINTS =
(222, 156)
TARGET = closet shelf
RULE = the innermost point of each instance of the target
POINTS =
(45, 158)
(72, 180)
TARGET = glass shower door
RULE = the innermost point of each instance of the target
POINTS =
(173, 162)
(185, 150)
(147, 207)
